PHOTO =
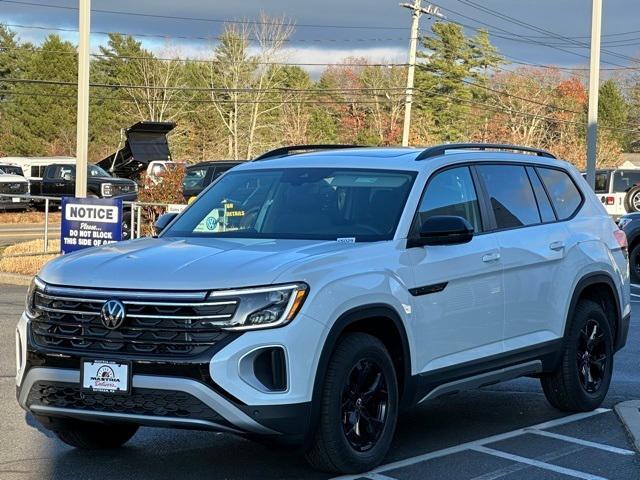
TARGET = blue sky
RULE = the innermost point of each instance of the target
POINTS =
(385, 39)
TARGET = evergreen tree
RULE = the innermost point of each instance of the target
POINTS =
(40, 119)
(613, 112)
(450, 61)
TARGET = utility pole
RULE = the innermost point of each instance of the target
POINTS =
(82, 127)
(417, 11)
(594, 85)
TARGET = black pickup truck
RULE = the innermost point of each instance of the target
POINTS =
(58, 180)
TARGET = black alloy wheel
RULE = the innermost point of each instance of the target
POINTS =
(591, 356)
(365, 401)
(581, 380)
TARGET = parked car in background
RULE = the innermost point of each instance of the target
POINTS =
(630, 225)
(59, 181)
(618, 190)
(202, 174)
(33, 167)
(12, 182)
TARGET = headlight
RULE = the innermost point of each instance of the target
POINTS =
(106, 189)
(36, 284)
(263, 307)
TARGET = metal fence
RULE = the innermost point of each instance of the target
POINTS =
(134, 215)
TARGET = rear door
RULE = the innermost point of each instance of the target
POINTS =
(532, 248)
(458, 291)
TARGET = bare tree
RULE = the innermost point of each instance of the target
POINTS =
(156, 87)
(244, 87)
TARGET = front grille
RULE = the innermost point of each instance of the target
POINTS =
(154, 325)
(14, 188)
(141, 401)
(122, 189)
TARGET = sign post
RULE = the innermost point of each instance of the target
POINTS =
(89, 222)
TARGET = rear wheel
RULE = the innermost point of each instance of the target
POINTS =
(359, 407)
(95, 436)
(582, 381)
(634, 263)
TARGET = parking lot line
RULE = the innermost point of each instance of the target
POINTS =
(536, 463)
(378, 476)
(579, 441)
(475, 443)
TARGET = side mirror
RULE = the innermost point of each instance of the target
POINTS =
(67, 177)
(163, 221)
(443, 230)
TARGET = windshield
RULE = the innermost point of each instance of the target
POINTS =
(11, 170)
(96, 171)
(296, 203)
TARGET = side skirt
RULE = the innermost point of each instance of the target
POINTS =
(487, 371)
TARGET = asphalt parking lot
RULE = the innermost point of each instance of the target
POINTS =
(507, 431)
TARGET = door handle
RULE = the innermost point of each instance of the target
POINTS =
(559, 245)
(491, 257)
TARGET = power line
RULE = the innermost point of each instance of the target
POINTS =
(484, 106)
(209, 20)
(202, 60)
(530, 26)
(208, 38)
(194, 89)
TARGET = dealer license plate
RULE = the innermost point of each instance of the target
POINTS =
(105, 376)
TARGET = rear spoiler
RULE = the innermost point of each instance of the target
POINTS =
(144, 142)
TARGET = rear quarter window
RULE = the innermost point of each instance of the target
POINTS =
(564, 194)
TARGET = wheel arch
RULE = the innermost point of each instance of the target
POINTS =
(599, 287)
(380, 320)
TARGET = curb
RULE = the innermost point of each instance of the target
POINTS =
(629, 414)
(15, 279)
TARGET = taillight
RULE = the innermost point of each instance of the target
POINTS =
(611, 200)
(622, 239)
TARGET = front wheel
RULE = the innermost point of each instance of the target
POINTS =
(582, 380)
(359, 407)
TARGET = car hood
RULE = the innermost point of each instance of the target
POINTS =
(183, 264)
(9, 178)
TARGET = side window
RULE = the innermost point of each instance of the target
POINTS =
(602, 182)
(451, 192)
(194, 178)
(564, 194)
(510, 194)
(544, 205)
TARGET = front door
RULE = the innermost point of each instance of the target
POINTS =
(458, 291)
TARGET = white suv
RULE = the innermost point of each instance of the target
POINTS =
(310, 297)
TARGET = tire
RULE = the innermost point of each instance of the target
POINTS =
(634, 263)
(632, 200)
(569, 388)
(348, 439)
(95, 436)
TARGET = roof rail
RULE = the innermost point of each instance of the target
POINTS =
(292, 149)
(441, 149)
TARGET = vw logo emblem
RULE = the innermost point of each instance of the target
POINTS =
(112, 314)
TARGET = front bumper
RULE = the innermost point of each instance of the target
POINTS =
(202, 392)
(8, 203)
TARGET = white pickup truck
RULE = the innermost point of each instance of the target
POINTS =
(12, 182)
